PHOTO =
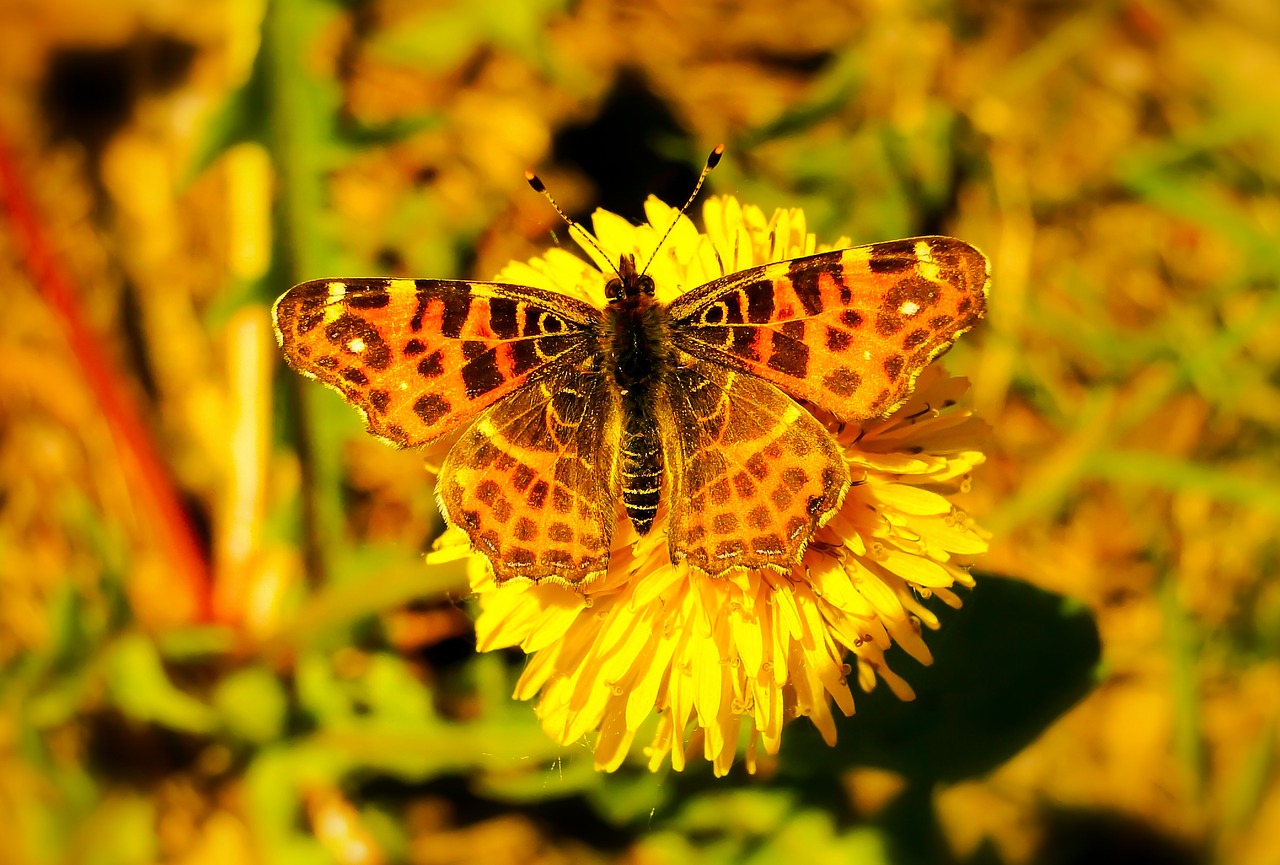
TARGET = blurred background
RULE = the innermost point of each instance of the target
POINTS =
(218, 640)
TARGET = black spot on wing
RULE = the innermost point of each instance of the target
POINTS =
(804, 276)
(488, 491)
(851, 319)
(893, 257)
(538, 494)
(457, 305)
(309, 321)
(420, 311)
(733, 309)
(367, 299)
(348, 330)
(522, 477)
(524, 356)
(893, 366)
(481, 374)
(838, 340)
(843, 381)
(431, 408)
(432, 365)
(733, 549)
(914, 289)
(502, 317)
(539, 323)
(744, 343)
(789, 356)
(760, 301)
(915, 339)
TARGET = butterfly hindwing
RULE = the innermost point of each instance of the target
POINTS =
(847, 330)
(421, 357)
(753, 475)
(532, 481)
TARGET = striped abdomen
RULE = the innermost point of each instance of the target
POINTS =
(640, 468)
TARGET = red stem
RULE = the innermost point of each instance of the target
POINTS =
(147, 477)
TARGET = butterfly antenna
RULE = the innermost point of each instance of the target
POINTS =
(712, 161)
(541, 188)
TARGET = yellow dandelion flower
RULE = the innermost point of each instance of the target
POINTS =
(722, 659)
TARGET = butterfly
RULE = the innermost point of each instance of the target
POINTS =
(573, 417)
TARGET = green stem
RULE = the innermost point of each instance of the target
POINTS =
(300, 119)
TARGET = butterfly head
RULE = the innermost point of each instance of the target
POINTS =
(628, 283)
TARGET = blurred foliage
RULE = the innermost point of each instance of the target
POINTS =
(317, 697)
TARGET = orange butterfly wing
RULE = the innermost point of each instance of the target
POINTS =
(531, 477)
(848, 330)
(419, 358)
(753, 475)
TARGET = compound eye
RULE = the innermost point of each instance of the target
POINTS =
(646, 285)
(613, 289)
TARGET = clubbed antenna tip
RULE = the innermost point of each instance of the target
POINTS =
(712, 161)
(541, 188)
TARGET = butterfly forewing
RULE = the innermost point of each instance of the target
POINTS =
(421, 357)
(847, 330)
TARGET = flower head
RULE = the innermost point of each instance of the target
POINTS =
(719, 659)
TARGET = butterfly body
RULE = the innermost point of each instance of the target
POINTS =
(636, 351)
(569, 411)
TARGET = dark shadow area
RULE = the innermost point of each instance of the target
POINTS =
(1104, 838)
(625, 151)
(1007, 665)
(570, 817)
(88, 93)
